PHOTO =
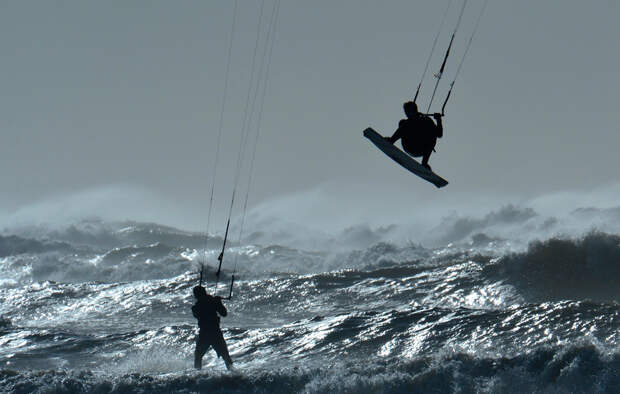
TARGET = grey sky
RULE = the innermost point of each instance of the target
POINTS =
(123, 96)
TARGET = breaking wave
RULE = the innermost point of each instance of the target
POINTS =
(514, 300)
(552, 370)
(555, 269)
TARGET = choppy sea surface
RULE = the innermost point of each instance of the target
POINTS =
(512, 301)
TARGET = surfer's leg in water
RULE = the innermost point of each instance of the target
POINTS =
(201, 348)
(219, 345)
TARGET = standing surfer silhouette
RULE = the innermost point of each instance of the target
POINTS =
(208, 310)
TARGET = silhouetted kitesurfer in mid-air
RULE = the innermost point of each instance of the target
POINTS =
(418, 133)
(206, 310)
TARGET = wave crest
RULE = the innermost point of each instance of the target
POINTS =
(581, 368)
(557, 268)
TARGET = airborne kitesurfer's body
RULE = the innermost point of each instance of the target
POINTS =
(418, 133)
(208, 310)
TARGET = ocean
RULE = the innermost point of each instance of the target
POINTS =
(507, 301)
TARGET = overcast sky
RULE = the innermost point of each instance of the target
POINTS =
(115, 104)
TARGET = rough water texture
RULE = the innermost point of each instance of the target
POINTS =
(510, 301)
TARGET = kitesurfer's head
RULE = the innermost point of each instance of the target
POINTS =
(411, 109)
(199, 292)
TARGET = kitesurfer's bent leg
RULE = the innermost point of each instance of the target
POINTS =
(425, 158)
(395, 137)
(427, 151)
(413, 149)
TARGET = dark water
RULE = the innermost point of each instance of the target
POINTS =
(507, 302)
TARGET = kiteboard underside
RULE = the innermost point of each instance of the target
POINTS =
(403, 159)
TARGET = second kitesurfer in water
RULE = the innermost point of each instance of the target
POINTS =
(418, 133)
(208, 310)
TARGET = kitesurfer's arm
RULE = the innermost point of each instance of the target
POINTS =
(439, 126)
(219, 307)
(195, 311)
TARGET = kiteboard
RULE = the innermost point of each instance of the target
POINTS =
(403, 159)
